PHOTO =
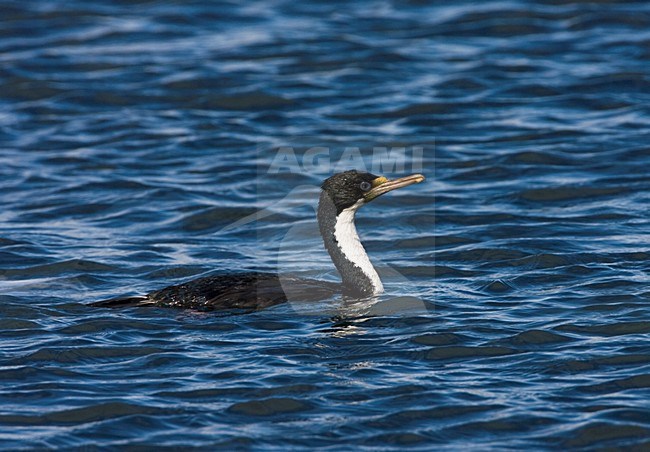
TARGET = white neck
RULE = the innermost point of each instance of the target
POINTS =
(348, 240)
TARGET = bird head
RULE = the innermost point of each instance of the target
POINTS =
(356, 188)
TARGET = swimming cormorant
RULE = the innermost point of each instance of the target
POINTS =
(341, 196)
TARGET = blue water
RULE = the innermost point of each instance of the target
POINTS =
(133, 134)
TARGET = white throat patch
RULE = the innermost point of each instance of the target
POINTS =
(346, 235)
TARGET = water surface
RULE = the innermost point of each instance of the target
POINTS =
(134, 132)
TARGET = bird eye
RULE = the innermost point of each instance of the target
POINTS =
(365, 186)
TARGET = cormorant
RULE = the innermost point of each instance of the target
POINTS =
(341, 196)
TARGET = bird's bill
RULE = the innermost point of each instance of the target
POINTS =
(382, 185)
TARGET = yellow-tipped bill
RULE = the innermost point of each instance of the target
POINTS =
(382, 185)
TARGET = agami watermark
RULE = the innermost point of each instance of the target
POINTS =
(328, 160)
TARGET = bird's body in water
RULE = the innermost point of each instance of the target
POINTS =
(341, 196)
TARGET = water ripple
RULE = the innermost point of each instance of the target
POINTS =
(134, 132)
